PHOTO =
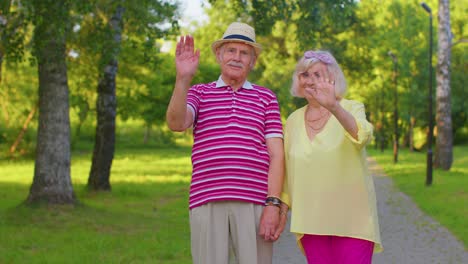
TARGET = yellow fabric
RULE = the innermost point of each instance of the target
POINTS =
(327, 185)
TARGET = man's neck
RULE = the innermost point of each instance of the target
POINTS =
(234, 83)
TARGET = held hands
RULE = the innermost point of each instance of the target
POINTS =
(283, 218)
(273, 222)
(269, 223)
(323, 90)
(186, 58)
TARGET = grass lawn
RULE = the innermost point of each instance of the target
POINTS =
(145, 217)
(143, 220)
(446, 200)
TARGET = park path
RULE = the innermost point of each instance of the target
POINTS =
(408, 235)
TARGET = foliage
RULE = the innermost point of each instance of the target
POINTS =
(458, 82)
(141, 77)
(458, 68)
(14, 30)
(146, 22)
(446, 199)
(358, 33)
(17, 97)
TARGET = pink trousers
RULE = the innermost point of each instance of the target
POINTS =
(337, 250)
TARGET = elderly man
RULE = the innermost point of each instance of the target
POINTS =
(237, 155)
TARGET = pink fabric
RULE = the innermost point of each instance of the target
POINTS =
(230, 160)
(323, 57)
(337, 250)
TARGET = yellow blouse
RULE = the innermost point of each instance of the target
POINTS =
(327, 185)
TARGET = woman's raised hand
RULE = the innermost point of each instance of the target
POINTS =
(324, 89)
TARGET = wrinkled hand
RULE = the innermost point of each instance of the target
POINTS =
(269, 223)
(282, 224)
(324, 89)
(186, 59)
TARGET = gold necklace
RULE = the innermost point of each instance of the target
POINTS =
(319, 126)
(323, 120)
(322, 115)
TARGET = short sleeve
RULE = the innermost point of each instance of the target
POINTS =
(273, 124)
(193, 101)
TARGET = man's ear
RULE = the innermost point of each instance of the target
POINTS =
(253, 62)
(219, 55)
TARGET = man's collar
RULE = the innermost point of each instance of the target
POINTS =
(221, 83)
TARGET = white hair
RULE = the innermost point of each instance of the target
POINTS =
(333, 68)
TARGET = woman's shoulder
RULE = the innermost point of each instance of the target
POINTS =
(298, 113)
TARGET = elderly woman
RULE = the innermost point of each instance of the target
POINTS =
(327, 184)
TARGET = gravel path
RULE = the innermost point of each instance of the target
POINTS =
(408, 235)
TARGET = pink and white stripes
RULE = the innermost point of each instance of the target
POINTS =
(230, 160)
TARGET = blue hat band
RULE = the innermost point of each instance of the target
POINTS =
(239, 37)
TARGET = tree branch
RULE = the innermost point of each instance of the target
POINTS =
(462, 40)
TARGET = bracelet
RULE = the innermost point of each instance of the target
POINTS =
(271, 200)
(282, 212)
(272, 196)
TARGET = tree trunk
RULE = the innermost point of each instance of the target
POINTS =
(52, 181)
(6, 115)
(146, 138)
(444, 143)
(106, 106)
(382, 122)
(411, 132)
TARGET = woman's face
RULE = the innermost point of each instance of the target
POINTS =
(309, 78)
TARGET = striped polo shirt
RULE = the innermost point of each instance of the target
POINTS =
(230, 160)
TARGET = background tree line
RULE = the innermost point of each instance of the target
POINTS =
(73, 64)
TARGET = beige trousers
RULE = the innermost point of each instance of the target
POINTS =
(227, 232)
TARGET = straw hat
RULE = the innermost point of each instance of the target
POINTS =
(238, 32)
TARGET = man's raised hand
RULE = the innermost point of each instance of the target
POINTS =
(187, 58)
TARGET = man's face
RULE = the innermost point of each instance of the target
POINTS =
(236, 60)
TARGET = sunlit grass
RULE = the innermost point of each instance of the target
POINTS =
(446, 200)
(144, 219)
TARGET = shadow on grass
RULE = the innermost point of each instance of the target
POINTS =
(144, 219)
(135, 222)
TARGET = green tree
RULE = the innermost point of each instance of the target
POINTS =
(13, 31)
(106, 104)
(147, 74)
(458, 70)
(286, 29)
(145, 25)
(443, 156)
(393, 26)
(52, 181)
(4, 11)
